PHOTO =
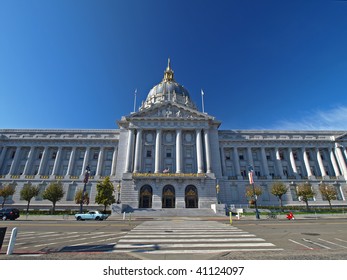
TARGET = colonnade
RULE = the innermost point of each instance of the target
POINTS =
(57, 160)
(335, 157)
(135, 146)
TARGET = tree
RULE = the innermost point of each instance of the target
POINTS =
(78, 197)
(6, 192)
(305, 193)
(328, 192)
(278, 189)
(105, 190)
(250, 193)
(54, 192)
(28, 192)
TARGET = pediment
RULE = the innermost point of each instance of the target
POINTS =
(169, 110)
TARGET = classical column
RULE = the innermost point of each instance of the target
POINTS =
(307, 163)
(157, 168)
(138, 153)
(2, 156)
(114, 161)
(100, 161)
(43, 161)
(236, 160)
(199, 152)
(85, 161)
(179, 151)
(279, 162)
(249, 156)
(208, 152)
(223, 160)
(15, 162)
(29, 161)
(292, 161)
(341, 159)
(334, 163)
(71, 161)
(130, 148)
(264, 160)
(320, 163)
(57, 161)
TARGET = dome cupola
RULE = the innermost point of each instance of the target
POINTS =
(168, 90)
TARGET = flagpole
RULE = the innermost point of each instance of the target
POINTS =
(251, 181)
(135, 101)
(202, 101)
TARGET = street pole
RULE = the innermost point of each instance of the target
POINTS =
(251, 181)
(85, 181)
(118, 190)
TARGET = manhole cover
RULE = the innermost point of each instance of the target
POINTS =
(310, 233)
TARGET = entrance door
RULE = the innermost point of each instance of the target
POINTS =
(146, 193)
(191, 197)
(168, 198)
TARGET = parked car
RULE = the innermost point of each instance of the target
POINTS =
(9, 213)
(91, 215)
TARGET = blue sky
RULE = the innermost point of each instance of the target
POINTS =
(261, 64)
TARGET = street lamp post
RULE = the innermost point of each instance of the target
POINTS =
(85, 181)
(251, 181)
(118, 191)
(217, 191)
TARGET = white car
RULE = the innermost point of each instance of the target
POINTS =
(91, 215)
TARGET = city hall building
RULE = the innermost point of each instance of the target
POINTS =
(168, 154)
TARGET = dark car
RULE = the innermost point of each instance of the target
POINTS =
(9, 213)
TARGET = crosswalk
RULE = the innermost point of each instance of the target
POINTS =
(174, 237)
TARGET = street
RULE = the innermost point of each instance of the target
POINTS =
(178, 238)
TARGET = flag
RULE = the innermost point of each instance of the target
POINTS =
(250, 176)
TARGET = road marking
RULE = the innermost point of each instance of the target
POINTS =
(341, 240)
(191, 240)
(332, 243)
(316, 243)
(300, 244)
(213, 251)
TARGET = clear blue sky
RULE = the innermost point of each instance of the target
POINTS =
(262, 64)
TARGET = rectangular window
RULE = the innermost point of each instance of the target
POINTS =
(109, 155)
(148, 153)
(188, 153)
(241, 157)
(168, 153)
(95, 155)
(54, 155)
(295, 155)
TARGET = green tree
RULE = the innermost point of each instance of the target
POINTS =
(328, 192)
(305, 193)
(54, 193)
(279, 189)
(6, 192)
(250, 192)
(78, 197)
(105, 190)
(28, 192)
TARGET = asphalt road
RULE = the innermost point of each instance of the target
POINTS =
(68, 239)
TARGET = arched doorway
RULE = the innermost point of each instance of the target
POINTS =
(191, 197)
(146, 193)
(168, 198)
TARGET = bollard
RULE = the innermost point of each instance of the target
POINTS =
(123, 216)
(2, 235)
(230, 215)
(12, 241)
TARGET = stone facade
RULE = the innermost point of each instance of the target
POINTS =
(168, 154)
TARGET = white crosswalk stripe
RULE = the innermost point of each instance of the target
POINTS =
(165, 237)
